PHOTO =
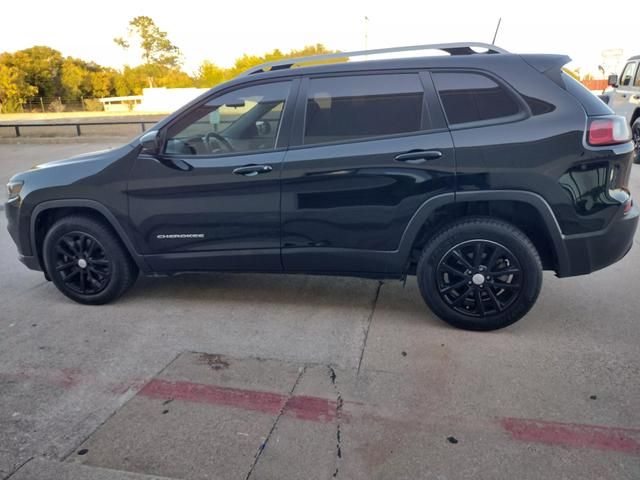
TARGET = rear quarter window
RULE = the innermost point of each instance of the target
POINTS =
(471, 97)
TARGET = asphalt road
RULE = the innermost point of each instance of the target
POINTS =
(278, 377)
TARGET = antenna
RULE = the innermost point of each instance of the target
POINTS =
(493, 42)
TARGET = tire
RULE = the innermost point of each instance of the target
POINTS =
(471, 294)
(87, 261)
(635, 131)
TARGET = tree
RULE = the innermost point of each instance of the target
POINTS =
(102, 83)
(209, 74)
(13, 89)
(73, 78)
(156, 47)
(41, 67)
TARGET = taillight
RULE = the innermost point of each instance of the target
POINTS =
(609, 130)
(628, 205)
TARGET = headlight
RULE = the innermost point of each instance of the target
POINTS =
(14, 189)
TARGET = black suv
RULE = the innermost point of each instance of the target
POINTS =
(474, 171)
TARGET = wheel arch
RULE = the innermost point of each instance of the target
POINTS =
(543, 228)
(46, 213)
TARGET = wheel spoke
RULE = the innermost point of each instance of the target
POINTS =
(507, 271)
(99, 262)
(450, 269)
(477, 258)
(83, 283)
(60, 248)
(494, 299)
(448, 288)
(462, 259)
(464, 295)
(479, 304)
(64, 266)
(506, 286)
(72, 275)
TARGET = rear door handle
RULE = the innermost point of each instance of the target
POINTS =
(252, 170)
(418, 156)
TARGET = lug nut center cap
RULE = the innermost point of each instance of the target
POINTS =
(82, 263)
(478, 279)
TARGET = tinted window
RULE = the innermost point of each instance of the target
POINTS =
(244, 120)
(637, 82)
(344, 108)
(627, 74)
(470, 97)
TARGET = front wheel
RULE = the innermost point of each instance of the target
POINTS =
(480, 274)
(86, 260)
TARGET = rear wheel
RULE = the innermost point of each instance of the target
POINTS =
(635, 131)
(480, 274)
(86, 261)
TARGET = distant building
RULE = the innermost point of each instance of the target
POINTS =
(156, 100)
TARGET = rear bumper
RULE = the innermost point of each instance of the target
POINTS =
(586, 253)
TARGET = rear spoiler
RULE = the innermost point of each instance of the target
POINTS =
(549, 65)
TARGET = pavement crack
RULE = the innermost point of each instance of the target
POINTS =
(12, 474)
(339, 405)
(275, 423)
(368, 327)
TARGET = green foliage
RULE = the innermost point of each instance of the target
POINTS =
(210, 74)
(156, 47)
(13, 89)
(575, 74)
(41, 71)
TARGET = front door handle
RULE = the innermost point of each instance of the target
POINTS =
(418, 156)
(252, 170)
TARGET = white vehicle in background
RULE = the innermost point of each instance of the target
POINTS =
(624, 98)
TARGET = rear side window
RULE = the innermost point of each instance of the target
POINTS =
(471, 97)
(354, 107)
(627, 74)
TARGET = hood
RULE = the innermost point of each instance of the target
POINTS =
(86, 157)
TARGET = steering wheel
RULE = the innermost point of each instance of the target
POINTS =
(223, 142)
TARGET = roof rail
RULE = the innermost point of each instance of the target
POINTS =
(462, 48)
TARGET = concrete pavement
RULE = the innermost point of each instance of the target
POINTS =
(307, 377)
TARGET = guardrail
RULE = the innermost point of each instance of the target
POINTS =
(78, 125)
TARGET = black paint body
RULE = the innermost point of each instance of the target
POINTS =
(350, 208)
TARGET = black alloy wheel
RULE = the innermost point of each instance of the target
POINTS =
(480, 273)
(479, 278)
(82, 262)
(87, 261)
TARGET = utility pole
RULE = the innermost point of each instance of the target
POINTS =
(366, 32)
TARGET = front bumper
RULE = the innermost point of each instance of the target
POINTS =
(586, 253)
(31, 262)
(12, 212)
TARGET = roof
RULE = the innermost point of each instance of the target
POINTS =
(453, 49)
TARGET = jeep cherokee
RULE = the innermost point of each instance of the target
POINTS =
(474, 171)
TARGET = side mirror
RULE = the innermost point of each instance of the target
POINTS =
(149, 142)
(613, 80)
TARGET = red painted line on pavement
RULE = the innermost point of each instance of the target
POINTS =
(626, 440)
(313, 409)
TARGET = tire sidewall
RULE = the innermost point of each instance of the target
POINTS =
(112, 251)
(513, 240)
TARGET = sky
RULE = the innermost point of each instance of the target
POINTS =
(220, 31)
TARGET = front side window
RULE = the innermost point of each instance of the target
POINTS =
(627, 74)
(637, 82)
(242, 121)
(361, 106)
(471, 97)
